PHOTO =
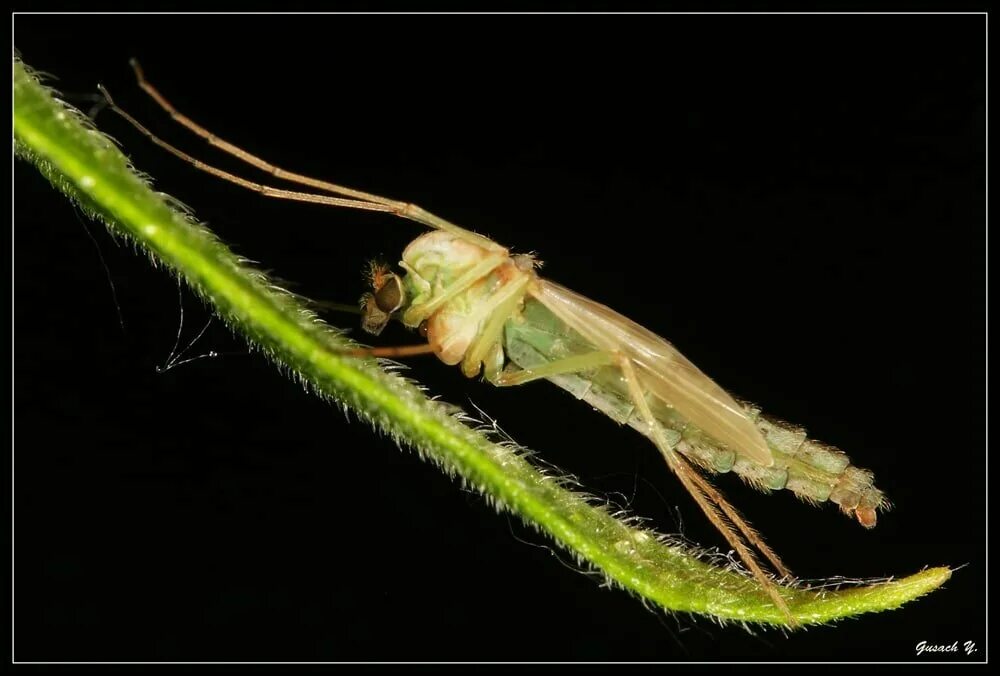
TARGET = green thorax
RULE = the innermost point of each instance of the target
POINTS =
(433, 263)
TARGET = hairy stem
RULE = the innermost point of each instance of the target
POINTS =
(88, 168)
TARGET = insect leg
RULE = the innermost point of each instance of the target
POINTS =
(388, 351)
(402, 209)
(267, 191)
(695, 483)
(417, 313)
(349, 308)
(574, 364)
(502, 306)
(741, 524)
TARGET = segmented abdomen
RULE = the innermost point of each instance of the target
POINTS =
(811, 470)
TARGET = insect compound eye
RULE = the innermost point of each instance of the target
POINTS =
(390, 296)
(373, 320)
(422, 329)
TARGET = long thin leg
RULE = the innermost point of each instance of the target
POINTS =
(751, 535)
(706, 495)
(501, 307)
(388, 351)
(265, 190)
(403, 209)
(745, 528)
(694, 483)
(574, 364)
(336, 307)
(248, 157)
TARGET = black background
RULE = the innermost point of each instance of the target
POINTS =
(797, 202)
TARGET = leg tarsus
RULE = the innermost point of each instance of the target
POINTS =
(740, 523)
(711, 501)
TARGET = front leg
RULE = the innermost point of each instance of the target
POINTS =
(418, 312)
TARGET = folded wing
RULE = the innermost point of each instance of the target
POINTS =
(663, 370)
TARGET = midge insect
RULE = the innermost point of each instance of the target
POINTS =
(488, 310)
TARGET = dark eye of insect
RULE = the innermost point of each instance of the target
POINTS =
(422, 329)
(390, 296)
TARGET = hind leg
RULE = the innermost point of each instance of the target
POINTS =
(707, 497)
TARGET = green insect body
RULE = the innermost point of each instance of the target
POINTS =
(527, 334)
(811, 470)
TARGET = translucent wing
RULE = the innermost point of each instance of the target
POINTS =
(663, 370)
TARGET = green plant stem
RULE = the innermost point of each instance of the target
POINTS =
(90, 169)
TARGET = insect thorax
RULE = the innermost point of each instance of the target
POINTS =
(436, 263)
